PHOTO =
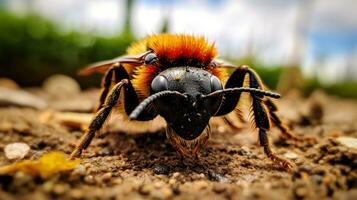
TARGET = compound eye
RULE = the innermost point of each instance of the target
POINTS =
(215, 84)
(150, 58)
(159, 83)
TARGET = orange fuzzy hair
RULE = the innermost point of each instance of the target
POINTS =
(181, 50)
(172, 51)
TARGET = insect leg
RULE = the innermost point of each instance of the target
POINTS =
(110, 101)
(99, 119)
(261, 115)
(131, 98)
(262, 122)
(285, 130)
(107, 82)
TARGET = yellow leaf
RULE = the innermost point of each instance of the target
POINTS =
(48, 165)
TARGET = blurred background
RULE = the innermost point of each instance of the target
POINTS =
(301, 44)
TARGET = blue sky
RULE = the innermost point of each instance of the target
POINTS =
(265, 28)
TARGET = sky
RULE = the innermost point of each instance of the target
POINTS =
(327, 37)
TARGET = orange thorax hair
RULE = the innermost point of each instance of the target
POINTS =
(172, 50)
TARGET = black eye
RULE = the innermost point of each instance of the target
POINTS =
(150, 58)
(215, 84)
(159, 83)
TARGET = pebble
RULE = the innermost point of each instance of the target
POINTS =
(163, 193)
(301, 192)
(16, 150)
(76, 193)
(349, 142)
(80, 170)
(106, 177)
(159, 184)
(166, 193)
(48, 186)
(172, 181)
(146, 189)
(213, 176)
(176, 174)
(117, 181)
(219, 187)
(8, 83)
(89, 179)
(79, 104)
(201, 185)
(161, 169)
(21, 98)
(61, 86)
(291, 155)
(60, 189)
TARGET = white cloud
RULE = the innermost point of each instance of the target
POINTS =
(335, 15)
(268, 26)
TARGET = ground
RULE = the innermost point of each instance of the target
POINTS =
(118, 165)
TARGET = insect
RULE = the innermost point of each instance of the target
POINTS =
(179, 78)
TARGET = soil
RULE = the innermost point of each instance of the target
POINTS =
(118, 165)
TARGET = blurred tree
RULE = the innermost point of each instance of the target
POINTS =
(166, 10)
(127, 17)
(32, 48)
(292, 77)
(165, 25)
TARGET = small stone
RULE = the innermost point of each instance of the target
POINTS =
(213, 176)
(161, 169)
(159, 184)
(106, 177)
(8, 83)
(87, 165)
(20, 98)
(22, 179)
(146, 189)
(61, 86)
(349, 142)
(166, 193)
(201, 175)
(301, 192)
(117, 181)
(60, 189)
(69, 119)
(163, 193)
(176, 174)
(76, 193)
(201, 185)
(219, 187)
(16, 150)
(89, 179)
(172, 181)
(48, 186)
(80, 170)
(291, 155)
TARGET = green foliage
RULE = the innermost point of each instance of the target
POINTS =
(33, 48)
(271, 75)
(345, 89)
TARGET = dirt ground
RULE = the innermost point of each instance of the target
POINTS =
(118, 165)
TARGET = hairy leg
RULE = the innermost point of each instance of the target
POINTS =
(108, 100)
(99, 119)
(261, 115)
(285, 130)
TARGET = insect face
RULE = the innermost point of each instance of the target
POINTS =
(188, 116)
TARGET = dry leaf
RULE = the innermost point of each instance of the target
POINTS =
(48, 165)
